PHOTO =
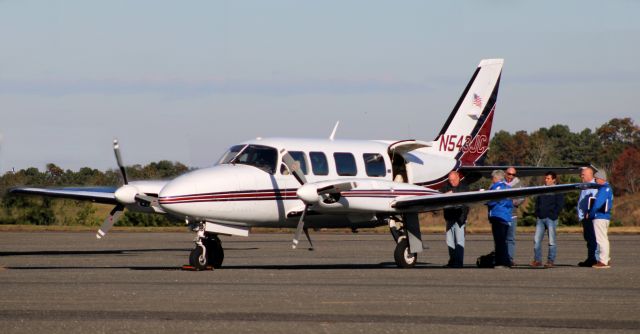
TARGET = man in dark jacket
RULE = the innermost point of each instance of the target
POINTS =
(548, 209)
(456, 218)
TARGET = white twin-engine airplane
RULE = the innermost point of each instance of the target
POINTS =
(325, 183)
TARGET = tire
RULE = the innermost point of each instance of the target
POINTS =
(403, 258)
(215, 252)
(196, 259)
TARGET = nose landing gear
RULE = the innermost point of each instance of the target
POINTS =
(208, 252)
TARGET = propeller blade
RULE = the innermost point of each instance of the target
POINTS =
(113, 217)
(294, 166)
(116, 150)
(337, 188)
(296, 237)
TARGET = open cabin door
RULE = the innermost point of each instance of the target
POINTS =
(398, 162)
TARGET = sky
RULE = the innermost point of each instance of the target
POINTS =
(185, 80)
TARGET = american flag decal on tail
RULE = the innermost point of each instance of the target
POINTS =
(477, 100)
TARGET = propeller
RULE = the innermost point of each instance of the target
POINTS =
(309, 193)
(118, 210)
(294, 168)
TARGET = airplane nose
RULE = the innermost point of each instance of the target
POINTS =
(191, 193)
(177, 190)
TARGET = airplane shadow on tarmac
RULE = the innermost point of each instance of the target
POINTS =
(91, 252)
(231, 267)
(106, 251)
(130, 252)
(352, 266)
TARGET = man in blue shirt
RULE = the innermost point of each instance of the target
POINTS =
(587, 223)
(500, 219)
(600, 212)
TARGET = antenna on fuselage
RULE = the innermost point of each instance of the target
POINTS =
(333, 133)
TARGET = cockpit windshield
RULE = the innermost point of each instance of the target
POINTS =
(263, 157)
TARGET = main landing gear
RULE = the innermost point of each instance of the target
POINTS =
(402, 255)
(208, 251)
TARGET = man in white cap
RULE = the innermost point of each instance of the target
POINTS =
(600, 212)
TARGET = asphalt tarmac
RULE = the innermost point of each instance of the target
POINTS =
(132, 282)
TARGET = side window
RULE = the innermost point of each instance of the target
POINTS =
(300, 159)
(374, 164)
(345, 164)
(319, 163)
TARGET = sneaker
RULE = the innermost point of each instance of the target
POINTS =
(600, 265)
(502, 267)
(536, 264)
(587, 263)
(549, 264)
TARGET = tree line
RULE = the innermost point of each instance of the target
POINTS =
(18, 209)
(614, 146)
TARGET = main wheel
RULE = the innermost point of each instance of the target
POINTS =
(197, 258)
(404, 259)
(215, 253)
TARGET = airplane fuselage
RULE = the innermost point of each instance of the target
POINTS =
(257, 189)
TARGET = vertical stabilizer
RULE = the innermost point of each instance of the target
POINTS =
(465, 135)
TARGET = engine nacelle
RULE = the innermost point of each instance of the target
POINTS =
(126, 194)
(308, 193)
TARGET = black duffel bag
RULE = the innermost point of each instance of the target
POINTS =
(486, 261)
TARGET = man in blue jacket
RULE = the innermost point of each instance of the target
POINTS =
(600, 212)
(586, 174)
(500, 219)
(548, 209)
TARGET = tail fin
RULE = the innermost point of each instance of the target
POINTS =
(465, 136)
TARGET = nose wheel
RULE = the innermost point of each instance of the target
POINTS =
(198, 258)
(208, 252)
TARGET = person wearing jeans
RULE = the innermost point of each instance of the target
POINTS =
(456, 218)
(547, 210)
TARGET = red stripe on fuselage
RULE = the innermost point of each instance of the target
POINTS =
(283, 195)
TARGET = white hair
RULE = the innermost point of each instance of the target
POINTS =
(498, 174)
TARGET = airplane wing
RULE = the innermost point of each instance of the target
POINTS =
(103, 195)
(440, 201)
(522, 170)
